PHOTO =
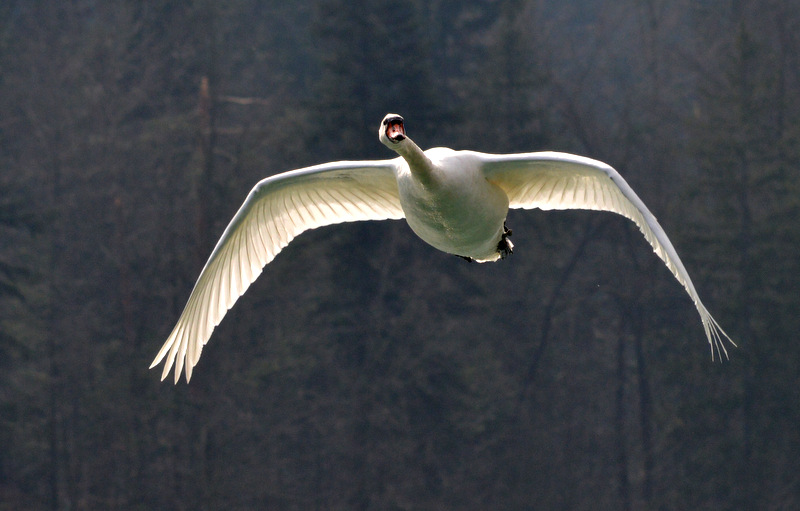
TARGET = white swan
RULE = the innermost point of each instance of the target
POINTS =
(456, 201)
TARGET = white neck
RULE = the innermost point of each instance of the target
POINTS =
(420, 165)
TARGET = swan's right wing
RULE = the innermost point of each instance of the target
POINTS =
(276, 210)
(550, 180)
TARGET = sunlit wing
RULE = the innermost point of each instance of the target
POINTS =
(551, 180)
(276, 210)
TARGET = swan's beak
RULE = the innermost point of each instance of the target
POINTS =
(395, 131)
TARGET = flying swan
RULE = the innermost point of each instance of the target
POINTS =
(456, 201)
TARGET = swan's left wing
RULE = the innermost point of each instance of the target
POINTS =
(276, 210)
(550, 180)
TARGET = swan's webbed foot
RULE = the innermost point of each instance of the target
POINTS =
(505, 248)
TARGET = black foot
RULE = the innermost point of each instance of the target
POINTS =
(505, 248)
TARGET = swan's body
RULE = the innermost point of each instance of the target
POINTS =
(456, 201)
(442, 211)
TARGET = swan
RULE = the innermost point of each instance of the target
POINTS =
(456, 201)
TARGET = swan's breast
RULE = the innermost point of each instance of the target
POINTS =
(458, 211)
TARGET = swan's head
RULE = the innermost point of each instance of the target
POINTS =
(392, 131)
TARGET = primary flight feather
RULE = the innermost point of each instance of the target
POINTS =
(456, 201)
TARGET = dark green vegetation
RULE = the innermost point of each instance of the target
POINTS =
(364, 370)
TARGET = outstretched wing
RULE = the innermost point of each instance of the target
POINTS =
(550, 180)
(276, 210)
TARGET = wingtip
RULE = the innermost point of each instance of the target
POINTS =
(177, 372)
(165, 372)
(167, 367)
(716, 337)
(157, 361)
(175, 360)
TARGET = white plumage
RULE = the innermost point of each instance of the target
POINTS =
(456, 201)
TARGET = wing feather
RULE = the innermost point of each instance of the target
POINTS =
(551, 180)
(276, 210)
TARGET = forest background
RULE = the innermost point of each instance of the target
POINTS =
(365, 370)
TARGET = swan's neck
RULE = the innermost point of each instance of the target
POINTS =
(419, 164)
